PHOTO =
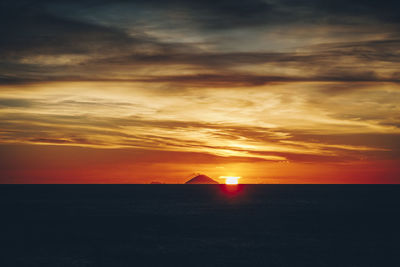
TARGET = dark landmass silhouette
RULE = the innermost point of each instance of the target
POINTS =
(201, 179)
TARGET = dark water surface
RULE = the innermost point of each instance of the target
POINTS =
(199, 225)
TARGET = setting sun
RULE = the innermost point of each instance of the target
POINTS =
(231, 179)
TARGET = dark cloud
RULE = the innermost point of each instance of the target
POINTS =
(382, 10)
(223, 14)
(47, 34)
(15, 102)
(33, 30)
(317, 68)
(42, 42)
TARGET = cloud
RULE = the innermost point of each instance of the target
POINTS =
(225, 122)
(45, 43)
(332, 63)
(14, 102)
(252, 81)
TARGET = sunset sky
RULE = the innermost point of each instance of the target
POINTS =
(273, 91)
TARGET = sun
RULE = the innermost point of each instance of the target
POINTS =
(231, 179)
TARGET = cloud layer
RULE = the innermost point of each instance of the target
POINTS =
(308, 82)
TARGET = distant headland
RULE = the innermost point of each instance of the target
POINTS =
(201, 179)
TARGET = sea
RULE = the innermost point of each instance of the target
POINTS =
(199, 225)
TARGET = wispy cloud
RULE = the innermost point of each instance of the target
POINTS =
(268, 124)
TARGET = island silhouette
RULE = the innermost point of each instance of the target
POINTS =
(201, 179)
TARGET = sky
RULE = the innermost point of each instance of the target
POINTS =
(273, 91)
